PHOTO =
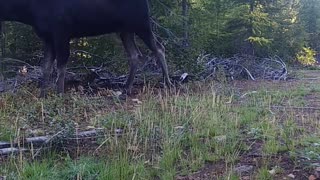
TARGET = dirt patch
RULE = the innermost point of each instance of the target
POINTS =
(210, 171)
(287, 169)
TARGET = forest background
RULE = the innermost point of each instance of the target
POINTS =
(289, 29)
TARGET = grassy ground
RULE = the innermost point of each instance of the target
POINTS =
(212, 131)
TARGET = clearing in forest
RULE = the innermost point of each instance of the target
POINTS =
(237, 130)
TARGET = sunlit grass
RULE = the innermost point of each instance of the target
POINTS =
(167, 134)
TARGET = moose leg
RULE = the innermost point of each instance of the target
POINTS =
(158, 50)
(47, 65)
(134, 56)
(62, 48)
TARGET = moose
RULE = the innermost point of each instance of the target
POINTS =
(56, 22)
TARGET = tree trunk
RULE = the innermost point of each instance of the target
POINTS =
(2, 37)
(3, 48)
(185, 15)
(312, 26)
(250, 49)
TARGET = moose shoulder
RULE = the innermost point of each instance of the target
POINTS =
(56, 22)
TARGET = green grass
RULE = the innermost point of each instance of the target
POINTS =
(83, 168)
(292, 97)
(169, 134)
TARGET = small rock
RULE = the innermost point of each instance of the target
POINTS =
(117, 93)
(272, 171)
(243, 169)
(3, 177)
(312, 177)
(220, 138)
(137, 101)
(118, 131)
(133, 148)
(291, 176)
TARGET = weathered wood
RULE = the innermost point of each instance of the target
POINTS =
(81, 137)
(8, 151)
(89, 133)
(4, 144)
(37, 140)
(238, 67)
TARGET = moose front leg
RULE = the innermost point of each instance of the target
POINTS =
(134, 56)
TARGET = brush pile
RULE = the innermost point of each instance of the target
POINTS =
(242, 67)
(214, 68)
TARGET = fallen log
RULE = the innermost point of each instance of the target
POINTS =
(40, 143)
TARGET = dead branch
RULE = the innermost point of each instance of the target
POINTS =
(239, 67)
(92, 78)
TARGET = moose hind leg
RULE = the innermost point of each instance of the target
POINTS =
(63, 53)
(47, 66)
(134, 56)
(159, 51)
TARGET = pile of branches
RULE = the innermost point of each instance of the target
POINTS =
(92, 78)
(242, 67)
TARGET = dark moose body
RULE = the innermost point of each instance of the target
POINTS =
(56, 22)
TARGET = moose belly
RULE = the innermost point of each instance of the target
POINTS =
(94, 29)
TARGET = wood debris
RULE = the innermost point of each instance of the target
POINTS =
(90, 79)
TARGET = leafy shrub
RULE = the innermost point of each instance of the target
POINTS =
(307, 56)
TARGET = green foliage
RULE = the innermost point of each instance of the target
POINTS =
(307, 56)
(21, 42)
(259, 40)
(264, 174)
(220, 27)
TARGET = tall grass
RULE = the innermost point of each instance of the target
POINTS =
(168, 134)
